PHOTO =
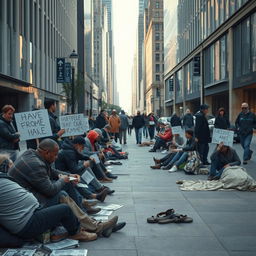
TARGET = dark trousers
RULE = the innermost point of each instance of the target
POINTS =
(217, 167)
(203, 150)
(130, 129)
(159, 143)
(165, 161)
(151, 131)
(48, 218)
(115, 135)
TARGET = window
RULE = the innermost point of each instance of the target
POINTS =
(157, 5)
(157, 26)
(156, 14)
(157, 46)
(253, 24)
(158, 68)
(246, 46)
(157, 77)
(157, 36)
(157, 57)
(223, 56)
(171, 87)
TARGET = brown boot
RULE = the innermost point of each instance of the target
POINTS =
(106, 227)
(106, 180)
(158, 166)
(157, 161)
(84, 236)
(89, 208)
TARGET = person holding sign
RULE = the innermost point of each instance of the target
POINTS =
(245, 123)
(50, 105)
(222, 158)
(9, 138)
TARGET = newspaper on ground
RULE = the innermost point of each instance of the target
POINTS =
(87, 177)
(101, 218)
(111, 207)
(19, 252)
(64, 244)
(104, 213)
(69, 253)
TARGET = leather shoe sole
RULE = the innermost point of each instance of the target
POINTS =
(118, 226)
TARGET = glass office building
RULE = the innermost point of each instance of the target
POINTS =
(210, 48)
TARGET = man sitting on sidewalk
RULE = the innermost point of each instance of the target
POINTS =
(222, 158)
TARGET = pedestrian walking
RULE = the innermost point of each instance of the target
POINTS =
(152, 125)
(188, 120)
(202, 133)
(146, 126)
(138, 123)
(130, 119)
(245, 123)
(123, 127)
(221, 120)
(101, 120)
(115, 123)
(9, 137)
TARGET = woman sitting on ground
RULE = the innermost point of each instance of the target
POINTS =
(181, 155)
(223, 157)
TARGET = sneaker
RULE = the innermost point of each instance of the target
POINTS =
(84, 236)
(164, 151)
(173, 169)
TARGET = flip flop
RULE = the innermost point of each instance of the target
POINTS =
(177, 218)
(161, 216)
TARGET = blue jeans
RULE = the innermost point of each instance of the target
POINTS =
(216, 168)
(246, 142)
(179, 158)
(151, 131)
(138, 133)
(145, 131)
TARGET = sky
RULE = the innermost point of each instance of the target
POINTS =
(125, 19)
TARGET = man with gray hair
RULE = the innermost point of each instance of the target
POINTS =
(245, 123)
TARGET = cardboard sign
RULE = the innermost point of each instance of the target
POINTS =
(33, 124)
(87, 177)
(225, 136)
(177, 130)
(74, 124)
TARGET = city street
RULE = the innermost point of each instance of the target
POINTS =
(224, 221)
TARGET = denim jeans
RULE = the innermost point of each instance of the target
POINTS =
(216, 168)
(203, 150)
(145, 131)
(179, 158)
(55, 199)
(151, 131)
(245, 143)
(123, 136)
(44, 219)
(168, 159)
(138, 133)
(73, 193)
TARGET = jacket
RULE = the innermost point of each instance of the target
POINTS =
(167, 136)
(221, 122)
(188, 121)
(138, 122)
(100, 121)
(8, 135)
(245, 123)
(152, 119)
(92, 137)
(124, 122)
(105, 137)
(190, 145)
(175, 120)
(68, 159)
(202, 131)
(115, 123)
(230, 158)
(32, 172)
(54, 125)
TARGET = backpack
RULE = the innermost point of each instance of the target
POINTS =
(193, 164)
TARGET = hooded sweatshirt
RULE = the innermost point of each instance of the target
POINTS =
(92, 136)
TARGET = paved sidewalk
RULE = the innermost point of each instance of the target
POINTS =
(224, 222)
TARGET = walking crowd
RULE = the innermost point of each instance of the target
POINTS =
(58, 180)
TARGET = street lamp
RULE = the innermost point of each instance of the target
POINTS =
(74, 59)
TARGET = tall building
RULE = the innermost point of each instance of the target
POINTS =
(154, 57)
(32, 36)
(210, 55)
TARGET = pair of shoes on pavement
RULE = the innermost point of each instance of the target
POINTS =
(173, 169)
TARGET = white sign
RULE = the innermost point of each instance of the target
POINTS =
(87, 177)
(33, 124)
(177, 130)
(96, 158)
(74, 124)
(225, 136)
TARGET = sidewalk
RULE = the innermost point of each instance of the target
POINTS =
(224, 222)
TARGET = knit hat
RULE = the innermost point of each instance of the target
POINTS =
(78, 140)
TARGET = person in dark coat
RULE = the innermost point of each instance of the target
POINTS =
(221, 120)
(101, 120)
(245, 123)
(202, 133)
(9, 138)
(175, 120)
(188, 120)
(138, 123)
(152, 125)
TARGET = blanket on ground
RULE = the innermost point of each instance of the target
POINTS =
(233, 177)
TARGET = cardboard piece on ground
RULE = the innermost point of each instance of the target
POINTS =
(64, 244)
(16, 252)
(104, 213)
(101, 218)
(225, 136)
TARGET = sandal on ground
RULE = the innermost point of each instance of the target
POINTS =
(178, 218)
(161, 216)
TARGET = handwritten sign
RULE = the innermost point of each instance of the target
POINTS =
(177, 130)
(74, 124)
(87, 177)
(33, 124)
(225, 136)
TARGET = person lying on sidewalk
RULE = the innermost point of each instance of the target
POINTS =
(223, 157)
(177, 142)
(181, 155)
(162, 139)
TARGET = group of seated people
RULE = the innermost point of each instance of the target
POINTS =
(49, 186)
(178, 154)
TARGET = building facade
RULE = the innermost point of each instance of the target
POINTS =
(32, 35)
(154, 57)
(210, 55)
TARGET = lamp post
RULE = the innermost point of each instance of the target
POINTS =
(73, 58)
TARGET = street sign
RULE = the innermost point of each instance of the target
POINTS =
(68, 72)
(60, 70)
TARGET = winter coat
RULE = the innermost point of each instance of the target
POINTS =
(124, 122)
(100, 121)
(167, 136)
(202, 131)
(188, 121)
(221, 122)
(245, 123)
(54, 125)
(175, 120)
(230, 157)
(8, 135)
(92, 136)
(115, 123)
(68, 159)
(138, 122)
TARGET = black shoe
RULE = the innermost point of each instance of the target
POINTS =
(245, 162)
(118, 226)
(166, 167)
(207, 163)
(152, 150)
(102, 195)
(111, 176)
